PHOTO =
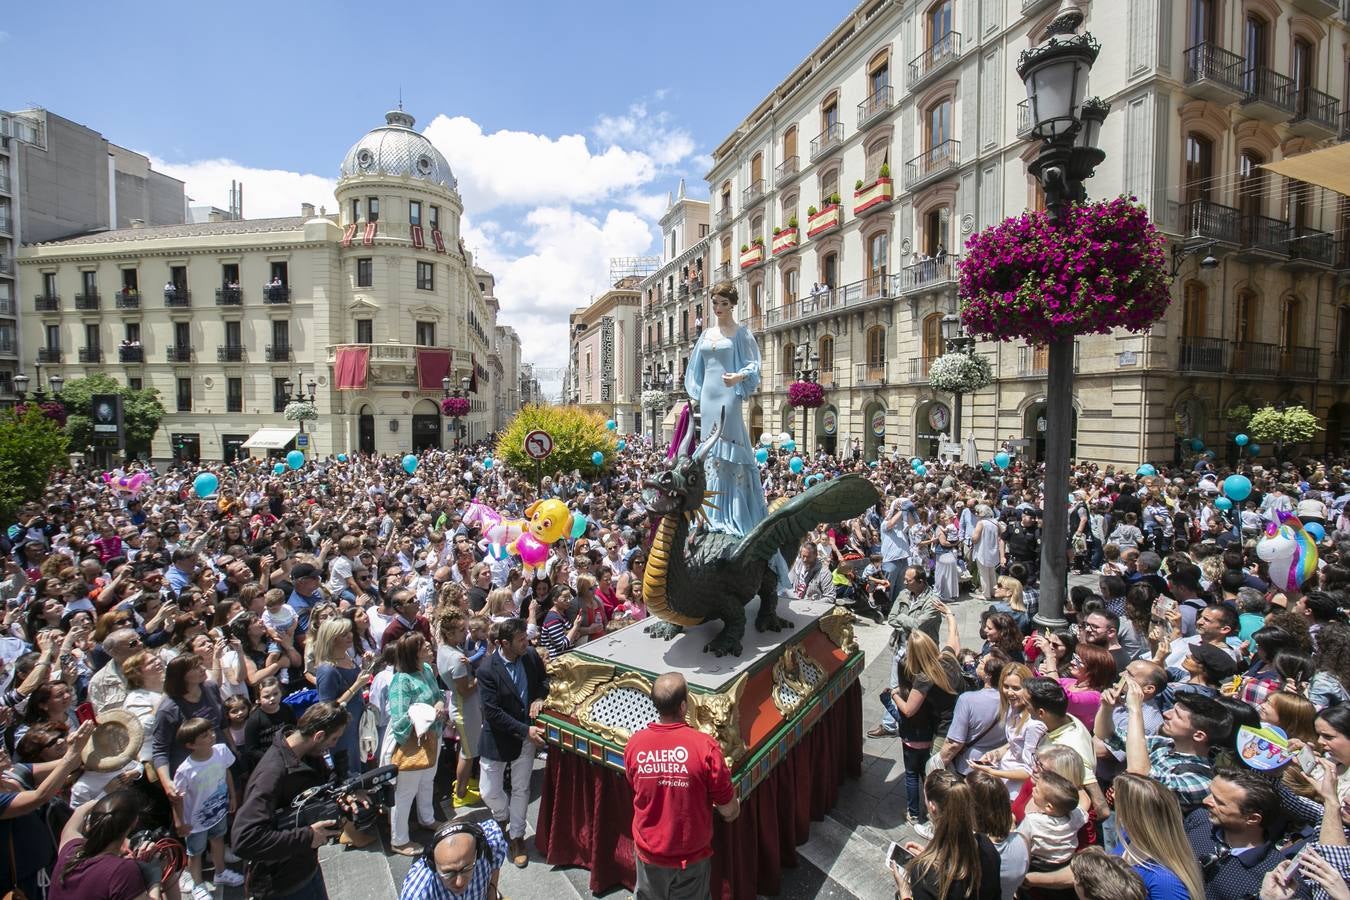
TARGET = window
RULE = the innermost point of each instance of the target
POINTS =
(49, 284)
(829, 113)
(130, 281)
(53, 333)
(434, 217)
(726, 195)
(365, 272)
(91, 336)
(757, 168)
(356, 210)
(878, 155)
(233, 334)
(424, 277)
(426, 334)
(414, 212)
(878, 260)
(89, 281)
(178, 275)
(684, 324)
(229, 274)
(1248, 317)
(790, 143)
(1199, 174)
(135, 383)
(826, 353)
(234, 395)
(879, 75)
(790, 286)
(829, 270)
(935, 231)
(829, 186)
(279, 394)
(1301, 65)
(939, 21)
(184, 394)
(182, 335)
(1251, 184)
(789, 359)
(1202, 28)
(703, 230)
(365, 330)
(1256, 49)
(876, 346)
(938, 123)
(1289, 315)
(280, 272)
(281, 333)
(132, 330)
(1194, 300)
(372, 209)
(1299, 205)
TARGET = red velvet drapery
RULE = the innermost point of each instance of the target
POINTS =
(586, 813)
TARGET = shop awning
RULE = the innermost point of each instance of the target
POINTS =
(1328, 168)
(271, 438)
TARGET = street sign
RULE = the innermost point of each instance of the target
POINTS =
(302, 440)
(538, 445)
(949, 449)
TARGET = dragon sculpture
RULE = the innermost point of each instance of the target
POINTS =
(722, 572)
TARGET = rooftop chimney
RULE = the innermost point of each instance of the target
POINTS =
(307, 210)
(137, 223)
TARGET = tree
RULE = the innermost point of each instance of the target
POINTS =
(1282, 427)
(576, 434)
(31, 446)
(141, 412)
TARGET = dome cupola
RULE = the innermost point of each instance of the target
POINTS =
(396, 150)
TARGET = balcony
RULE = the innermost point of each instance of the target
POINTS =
(1340, 367)
(824, 220)
(6, 307)
(1322, 9)
(754, 193)
(178, 354)
(49, 354)
(1264, 237)
(940, 55)
(230, 353)
(929, 274)
(47, 303)
(872, 373)
(1202, 354)
(786, 241)
(4, 184)
(1253, 358)
(828, 141)
(786, 171)
(1269, 96)
(917, 372)
(722, 218)
(1024, 123)
(871, 110)
(1214, 74)
(874, 197)
(276, 294)
(879, 290)
(4, 223)
(723, 272)
(1202, 221)
(1311, 249)
(229, 297)
(1299, 362)
(87, 301)
(1317, 115)
(91, 354)
(933, 164)
(753, 255)
(128, 299)
(131, 354)
(278, 353)
(5, 265)
(178, 298)
(1034, 362)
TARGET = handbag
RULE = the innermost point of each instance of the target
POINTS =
(413, 755)
(13, 893)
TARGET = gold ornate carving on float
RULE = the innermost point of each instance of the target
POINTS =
(796, 679)
(717, 715)
(572, 680)
(618, 708)
(837, 625)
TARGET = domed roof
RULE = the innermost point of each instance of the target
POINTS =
(395, 149)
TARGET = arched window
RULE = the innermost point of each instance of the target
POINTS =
(826, 352)
(1251, 184)
(757, 228)
(1247, 316)
(1199, 174)
(829, 112)
(789, 360)
(1194, 300)
(939, 21)
(1301, 69)
(878, 263)
(790, 292)
(932, 340)
(829, 185)
(938, 123)
(879, 79)
(1256, 50)
(878, 154)
(876, 347)
(1289, 321)
(756, 298)
(790, 143)
(726, 194)
(756, 168)
(829, 270)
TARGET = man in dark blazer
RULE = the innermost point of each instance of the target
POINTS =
(512, 685)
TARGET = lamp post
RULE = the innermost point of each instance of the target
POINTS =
(21, 381)
(462, 391)
(658, 381)
(808, 369)
(957, 341)
(1068, 126)
(299, 396)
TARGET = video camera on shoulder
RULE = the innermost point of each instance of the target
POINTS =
(336, 801)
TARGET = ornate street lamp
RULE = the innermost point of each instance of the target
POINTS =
(461, 392)
(1055, 73)
(299, 396)
(957, 341)
(808, 370)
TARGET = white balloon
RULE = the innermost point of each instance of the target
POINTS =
(783, 437)
(766, 438)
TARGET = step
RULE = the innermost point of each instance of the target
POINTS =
(363, 874)
(853, 858)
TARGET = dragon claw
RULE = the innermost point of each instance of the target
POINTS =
(772, 622)
(722, 645)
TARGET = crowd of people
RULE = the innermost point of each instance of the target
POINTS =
(293, 628)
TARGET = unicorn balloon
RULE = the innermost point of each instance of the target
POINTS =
(126, 485)
(1289, 551)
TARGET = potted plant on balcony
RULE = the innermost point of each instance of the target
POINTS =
(884, 171)
(806, 395)
(745, 248)
(858, 185)
(834, 199)
(455, 407)
(811, 210)
(777, 231)
(792, 220)
(758, 241)
(300, 411)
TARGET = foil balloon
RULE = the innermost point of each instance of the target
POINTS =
(533, 553)
(1290, 553)
(550, 520)
(482, 515)
(126, 485)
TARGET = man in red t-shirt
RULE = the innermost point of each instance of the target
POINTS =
(678, 777)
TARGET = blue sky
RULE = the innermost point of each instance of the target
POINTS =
(566, 123)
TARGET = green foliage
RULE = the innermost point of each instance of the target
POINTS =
(576, 435)
(1282, 428)
(31, 446)
(885, 171)
(745, 247)
(792, 221)
(811, 210)
(857, 185)
(141, 412)
(1240, 413)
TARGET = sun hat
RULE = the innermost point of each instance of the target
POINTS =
(116, 740)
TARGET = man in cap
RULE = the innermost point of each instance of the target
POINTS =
(306, 591)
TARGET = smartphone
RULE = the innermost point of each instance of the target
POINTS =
(897, 856)
(84, 712)
(1310, 764)
(1120, 685)
(1164, 606)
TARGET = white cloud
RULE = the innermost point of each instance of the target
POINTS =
(651, 131)
(267, 192)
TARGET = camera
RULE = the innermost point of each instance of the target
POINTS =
(333, 800)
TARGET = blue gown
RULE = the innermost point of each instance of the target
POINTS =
(732, 471)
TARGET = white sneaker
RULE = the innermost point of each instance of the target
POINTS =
(185, 883)
(923, 829)
(230, 857)
(204, 891)
(229, 878)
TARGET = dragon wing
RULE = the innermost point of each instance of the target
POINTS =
(784, 527)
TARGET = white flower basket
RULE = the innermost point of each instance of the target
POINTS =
(653, 399)
(300, 411)
(960, 373)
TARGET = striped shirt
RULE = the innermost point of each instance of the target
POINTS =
(423, 882)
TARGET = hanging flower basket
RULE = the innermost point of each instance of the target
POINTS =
(52, 409)
(455, 407)
(806, 394)
(1102, 266)
(960, 373)
(300, 411)
(653, 399)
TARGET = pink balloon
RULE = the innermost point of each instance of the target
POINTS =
(533, 552)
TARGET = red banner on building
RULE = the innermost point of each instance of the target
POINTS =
(351, 368)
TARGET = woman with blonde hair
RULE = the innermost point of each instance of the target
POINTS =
(1013, 762)
(501, 605)
(958, 863)
(1148, 817)
(1009, 598)
(339, 679)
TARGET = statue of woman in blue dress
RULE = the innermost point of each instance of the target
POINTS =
(723, 372)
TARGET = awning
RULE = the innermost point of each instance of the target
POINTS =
(271, 438)
(1329, 168)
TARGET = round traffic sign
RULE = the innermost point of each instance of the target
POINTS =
(538, 444)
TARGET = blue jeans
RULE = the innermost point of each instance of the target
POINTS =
(915, 760)
(311, 890)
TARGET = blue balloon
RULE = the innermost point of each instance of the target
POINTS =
(295, 459)
(987, 466)
(1197, 445)
(597, 459)
(278, 469)
(1237, 488)
(921, 471)
(1241, 440)
(796, 465)
(487, 463)
(1316, 530)
(621, 446)
(915, 463)
(1146, 470)
(611, 425)
(1210, 454)
(205, 484)
(789, 446)
(342, 457)
(761, 456)
(1223, 503)
(1254, 449)
(1002, 459)
(410, 464)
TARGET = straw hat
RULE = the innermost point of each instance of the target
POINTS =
(116, 740)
